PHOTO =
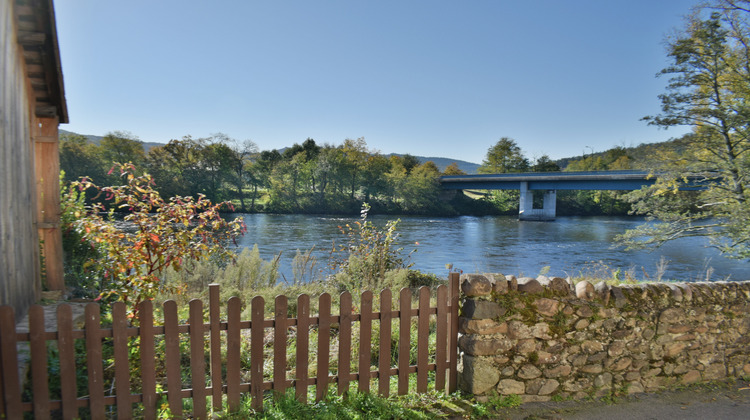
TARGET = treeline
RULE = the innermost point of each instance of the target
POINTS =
(304, 178)
(337, 179)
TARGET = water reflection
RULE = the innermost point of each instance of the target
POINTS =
(568, 245)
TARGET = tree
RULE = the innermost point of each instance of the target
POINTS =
(79, 157)
(453, 169)
(709, 89)
(121, 146)
(505, 156)
(545, 164)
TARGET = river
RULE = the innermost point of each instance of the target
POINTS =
(501, 244)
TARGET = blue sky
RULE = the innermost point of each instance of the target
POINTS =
(430, 78)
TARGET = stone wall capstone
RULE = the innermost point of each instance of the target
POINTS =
(545, 337)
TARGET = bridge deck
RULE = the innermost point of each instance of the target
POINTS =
(593, 180)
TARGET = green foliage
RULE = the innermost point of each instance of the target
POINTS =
(353, 405)
(708, 90)
(367, 253)
(505, 156)
(81, 278)
(158, 235)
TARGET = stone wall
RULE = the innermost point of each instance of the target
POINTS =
(544, 338)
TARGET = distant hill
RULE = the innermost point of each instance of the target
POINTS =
(97, 139)
(643, 156)
(442, 163)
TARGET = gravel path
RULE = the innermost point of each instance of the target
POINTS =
(728, 401)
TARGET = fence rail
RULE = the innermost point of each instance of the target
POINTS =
(218, 371)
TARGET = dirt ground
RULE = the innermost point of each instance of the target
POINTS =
(730, 400)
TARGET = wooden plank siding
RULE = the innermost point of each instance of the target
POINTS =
(32, 104)
(19, 243)
(213, 352)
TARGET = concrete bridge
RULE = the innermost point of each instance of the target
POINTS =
(549, 182)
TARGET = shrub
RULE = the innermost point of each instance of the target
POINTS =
(161, 234)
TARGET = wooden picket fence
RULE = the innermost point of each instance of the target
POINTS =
(224, 339)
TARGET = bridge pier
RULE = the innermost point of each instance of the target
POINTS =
(526, 210)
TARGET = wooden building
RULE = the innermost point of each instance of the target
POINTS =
(32, 104)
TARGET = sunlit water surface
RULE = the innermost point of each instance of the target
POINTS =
(568, 246)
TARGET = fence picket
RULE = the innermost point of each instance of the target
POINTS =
(148, 362)
(303, 346)
(423, 334)
(197, 359)
(172, 358)
(441, 345)
(122, 367)
(365, 338)
(94, 362)
(384, 352)
(279, 345)
(11, 389)
(404, 343)
(453, 332)
(233, 353)
(256, 352)
(214, 316)
(324, 348)
(39, 377)
(66, 349)
(345, 341)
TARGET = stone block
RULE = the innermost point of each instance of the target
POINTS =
(581, 324)
(679, 328)
(545, 358)
(548, 387)
(671, 315)
(715, 371)
(529, 371)
(512, 282)
(475, 285)
(558, 371)
(633, 376)
(510, 387)
(499, 283)
(672, 350)
(621, 364)
(477, 346)
(585, 311)
(481, 326)
(691, 377)
(603, 381)
(585, 290)
(560, 286)
(541, 330)
(616, 348)
(547, 307)
(530, 285)
(518, 330)
(602, 290)
(596, 368)
(635, 387)
(526, 346)
(477, 375)
(676, 292)
(482, 309)
(618, 297)
(592, 346)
